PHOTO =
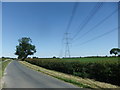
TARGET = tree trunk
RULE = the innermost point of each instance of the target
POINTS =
(24, 57)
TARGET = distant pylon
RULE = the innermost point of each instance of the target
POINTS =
(67, 48)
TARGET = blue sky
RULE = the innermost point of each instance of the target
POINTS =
(45, 24)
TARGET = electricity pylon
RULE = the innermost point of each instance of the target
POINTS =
(67, 47)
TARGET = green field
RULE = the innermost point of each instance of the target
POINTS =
(95, 59)
(105, 69)
(85, 59)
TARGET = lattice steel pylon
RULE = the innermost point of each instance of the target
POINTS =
(67, 47)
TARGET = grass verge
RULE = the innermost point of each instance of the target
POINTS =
(3, 65)
(80, 82)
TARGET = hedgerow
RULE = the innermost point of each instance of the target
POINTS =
(105, 71)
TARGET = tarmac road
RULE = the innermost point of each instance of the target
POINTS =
(19, 76)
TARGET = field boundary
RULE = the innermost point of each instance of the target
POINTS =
(83, 83)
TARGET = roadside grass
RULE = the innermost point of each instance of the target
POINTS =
(3, 65)
(78, 81)
(2, 59)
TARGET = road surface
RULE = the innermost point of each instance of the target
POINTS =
(19, 76)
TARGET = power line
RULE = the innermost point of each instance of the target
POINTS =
(89, 17)
(101, 22)
(67, 48)
(119, 24)
(72, 16)
(100, 36)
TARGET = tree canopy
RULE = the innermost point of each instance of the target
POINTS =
(115, 51)
(25, 48)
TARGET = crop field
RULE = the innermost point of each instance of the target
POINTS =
(87, 59)
(105, 69)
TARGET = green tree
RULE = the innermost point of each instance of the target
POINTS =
(115, 51)
(25, 48)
